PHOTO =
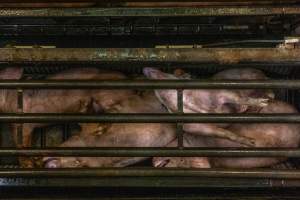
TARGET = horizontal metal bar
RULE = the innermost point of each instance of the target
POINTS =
(150, 152)
(151, 118)
(153, 182)
(105, 1)
(154, 172)
(159, 12)
(151, 84)
(204, 55)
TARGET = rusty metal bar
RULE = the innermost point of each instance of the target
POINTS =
(142, 172)
(150, 118)
(204, 55)
(151, 12)
(151, 84)
(150, 152)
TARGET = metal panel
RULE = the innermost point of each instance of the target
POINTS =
(205, 55)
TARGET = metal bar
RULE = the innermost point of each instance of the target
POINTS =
(198, 55)
(20, 111)
(150, 118)
(218, 44)
(43, 138)
(180, 111)
(108, 1)
(152, 182)
(151, 84)
(66, 132)
(155, 151)
(154, 11)
(162, 172)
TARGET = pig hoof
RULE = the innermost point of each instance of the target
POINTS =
(52, 163)
(250, 142)
(161, 162)
(261, 102)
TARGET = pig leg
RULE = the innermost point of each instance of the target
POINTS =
(214, 131)
(226, 96)
(184, 162)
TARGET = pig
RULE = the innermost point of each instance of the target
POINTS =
(118, 135)
(246, 74)
(278, 135)
(115, 135)
(266, 135)
(60, 101)
(205, 101)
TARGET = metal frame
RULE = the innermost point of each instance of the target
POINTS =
(156, 172)
(164, 55)
(151, 84)
(155, 151)
(290, 177)
(152, 12)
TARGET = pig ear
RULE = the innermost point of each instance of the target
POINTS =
(11, 73)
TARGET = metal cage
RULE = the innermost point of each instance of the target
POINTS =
(138, 182)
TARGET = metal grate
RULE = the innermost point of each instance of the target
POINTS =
(280, 64)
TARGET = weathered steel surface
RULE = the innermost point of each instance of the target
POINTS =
(151, 118)
(205, 55)
(150, 152)
(156, 172)
(175, 11)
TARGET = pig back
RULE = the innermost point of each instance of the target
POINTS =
(74, 101)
